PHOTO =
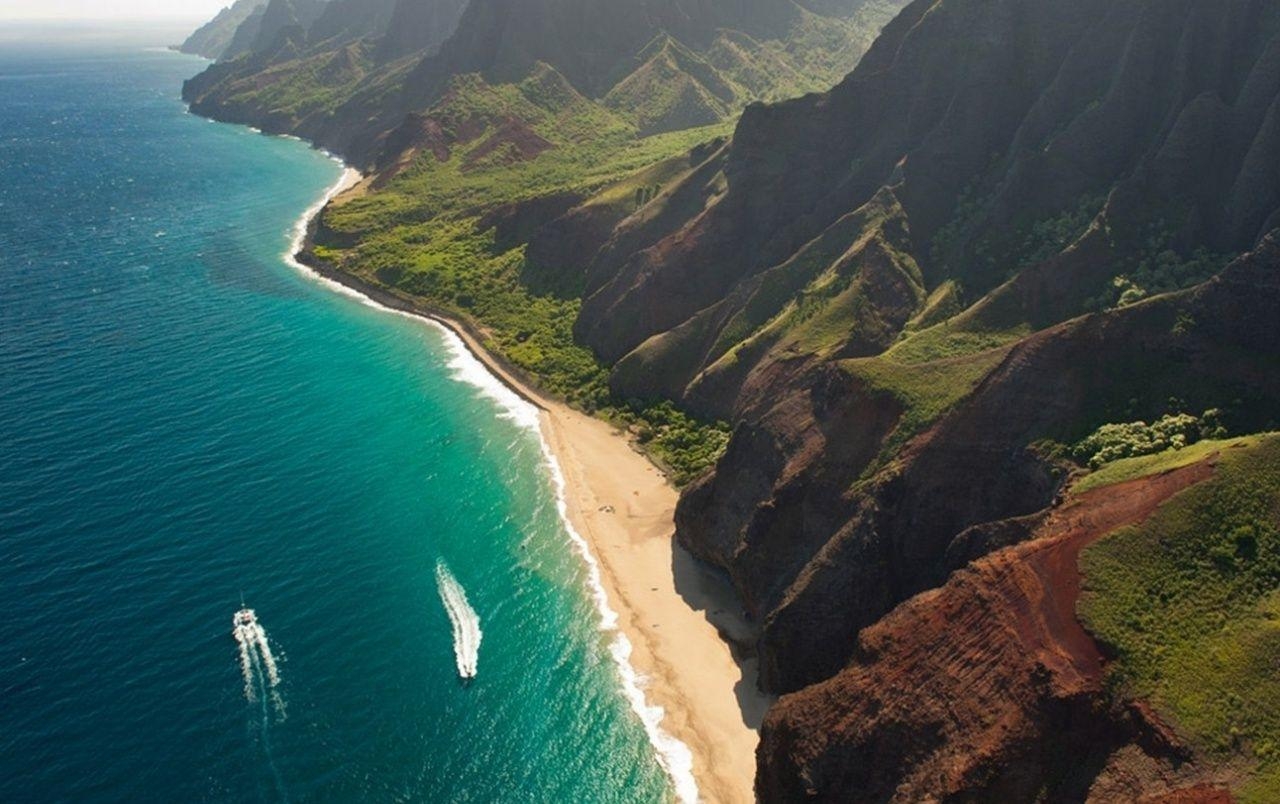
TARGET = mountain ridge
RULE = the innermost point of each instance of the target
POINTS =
(869, 329)
(504, 43)
(213, 39)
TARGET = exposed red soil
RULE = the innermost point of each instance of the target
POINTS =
(1196, 794)
(525, 144)
(427, 132)
(1054, 556)
(986, 686)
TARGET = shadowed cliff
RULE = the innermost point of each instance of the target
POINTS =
(1015, 226)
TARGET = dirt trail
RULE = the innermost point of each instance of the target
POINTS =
(1053, 555)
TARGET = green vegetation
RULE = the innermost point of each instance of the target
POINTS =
(425, 234)
(1173, 431)
(508, 143)
(671, 86)
(305, 86)
(1157, 267)
(971, 256)
(969, 240)
(1047, 238)
(1148, 262)
(845, 293)
(925, 390)
(684, 444)
(1127, 469)
(1189, 601)
(952, 339)
(449, 218)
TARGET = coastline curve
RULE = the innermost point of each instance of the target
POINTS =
(484, 372)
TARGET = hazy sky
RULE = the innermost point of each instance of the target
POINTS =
(109, 9)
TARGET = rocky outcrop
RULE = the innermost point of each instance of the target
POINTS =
(987, 688)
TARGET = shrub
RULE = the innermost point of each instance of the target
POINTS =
(1111, 442)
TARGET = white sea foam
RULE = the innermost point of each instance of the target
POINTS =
(465, 368)
(673, 755)
(463, 619)
(349, 178)
(245, 640)
(259, 668)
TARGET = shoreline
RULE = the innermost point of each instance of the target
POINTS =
(702, 716)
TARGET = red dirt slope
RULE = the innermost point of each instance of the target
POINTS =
(986, 687)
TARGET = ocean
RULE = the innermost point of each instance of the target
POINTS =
(187, 421)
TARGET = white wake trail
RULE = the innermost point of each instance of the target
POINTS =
(674, 756)
(257, 662)
(245, 640)
(463, 619)
(264, 650)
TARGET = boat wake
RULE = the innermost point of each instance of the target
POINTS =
(261, 678)
(257, 663)
(673, 755)
(463, 619)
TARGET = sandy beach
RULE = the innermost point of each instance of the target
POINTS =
(671, 609)
(680, 618)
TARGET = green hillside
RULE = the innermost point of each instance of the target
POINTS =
(431, 231)
(1189, 602)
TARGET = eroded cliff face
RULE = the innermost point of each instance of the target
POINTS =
(504, 39)
(820, 554)
(831, 221)
(986, 121)
(213, 38)
(895, 290)
(988, 689)
(332, 73)
(347, 74)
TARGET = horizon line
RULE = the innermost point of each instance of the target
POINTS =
(99, 20)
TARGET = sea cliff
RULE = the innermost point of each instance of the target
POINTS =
(872, 331)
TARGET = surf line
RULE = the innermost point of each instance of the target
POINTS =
(673, 755)
(463, 620)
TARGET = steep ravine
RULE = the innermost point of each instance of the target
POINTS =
(820, 554)
(1014, 222)
(969, 132)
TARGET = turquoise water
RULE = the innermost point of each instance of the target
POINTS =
(185, 419)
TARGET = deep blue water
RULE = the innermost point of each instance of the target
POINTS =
(185, 419)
